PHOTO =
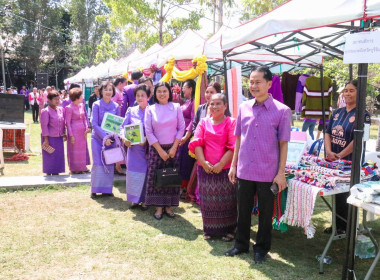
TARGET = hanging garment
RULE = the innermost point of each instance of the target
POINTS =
(299, 92)
(289, 86)
(275, 89)
(312, 98)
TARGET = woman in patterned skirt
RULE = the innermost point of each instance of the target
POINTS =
(213, 145)
(137, 162)
(164, 127)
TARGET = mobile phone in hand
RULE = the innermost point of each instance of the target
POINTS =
(274, 188)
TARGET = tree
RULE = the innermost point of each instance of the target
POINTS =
(217, 6)
(255, 8)
(147, 22)
(89, 22)
(106, 49)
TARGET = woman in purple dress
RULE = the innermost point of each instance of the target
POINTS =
(52, 136)
(186, 162)
(102, 175)
(164, 127)
(137, 162)
(77, 129)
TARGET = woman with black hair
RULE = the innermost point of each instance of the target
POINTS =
(137, 162)
(186, 162)
(102, 181)
(164, 128)
(339, 144)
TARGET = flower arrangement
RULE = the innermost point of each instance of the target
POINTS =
(176, 90)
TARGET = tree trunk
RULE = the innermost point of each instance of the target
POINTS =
(161, 22)
(220, 13)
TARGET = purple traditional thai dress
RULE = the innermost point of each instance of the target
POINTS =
(77, 154)
(101, 176)
(163, 124)
(186, 162)
(53, 126)
(137, 160)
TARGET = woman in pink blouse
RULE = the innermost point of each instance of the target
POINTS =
(164, 128)
(77, 129)
(213, 145)
(52, 136)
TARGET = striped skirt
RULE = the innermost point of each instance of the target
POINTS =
(160, 197)
(218, 202)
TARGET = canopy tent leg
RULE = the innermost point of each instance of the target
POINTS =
(348, 267)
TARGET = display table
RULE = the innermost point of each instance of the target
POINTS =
(13, 136)
(300, 206)
(375, 209)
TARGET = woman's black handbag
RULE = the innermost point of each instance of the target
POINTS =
(167, 177)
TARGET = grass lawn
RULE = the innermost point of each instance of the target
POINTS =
(63, 234)
(60, 233)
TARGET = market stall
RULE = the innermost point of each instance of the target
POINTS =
(300, 23)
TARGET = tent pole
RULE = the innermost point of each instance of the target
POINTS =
(323, 101)
(225, 74)
(350, 72)
(348, 268)
(228, 113)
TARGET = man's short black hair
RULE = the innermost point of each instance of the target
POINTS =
(264, 69)
(136, 75)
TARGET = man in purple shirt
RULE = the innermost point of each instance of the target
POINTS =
(263, 131)
(25, 92)
(128, 96)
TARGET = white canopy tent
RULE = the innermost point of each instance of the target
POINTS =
(246, 57)
(105, 70)
(188, 45)
(146, 59)
(121, 66)
(301, 15)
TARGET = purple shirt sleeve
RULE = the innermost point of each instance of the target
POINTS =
(285, 125)
(127, 120)
(180, 124)
(238, 122)
(69, 114)
(190, 126)
(124, 105)
(44, 119)
(148, 127)
(95, 122)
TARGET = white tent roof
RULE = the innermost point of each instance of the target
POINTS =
(149, 57)
(104, 71)
(121, 66)
(297, 15)
(188, 45)
(213, 51)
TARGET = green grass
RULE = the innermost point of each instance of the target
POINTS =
(62, 234)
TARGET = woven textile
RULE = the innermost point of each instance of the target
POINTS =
(218, 201)
(160, 196)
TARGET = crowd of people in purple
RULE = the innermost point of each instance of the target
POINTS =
(223, 161)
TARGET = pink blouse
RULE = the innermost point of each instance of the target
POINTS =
(216, 140)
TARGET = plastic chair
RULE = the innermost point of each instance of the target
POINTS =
(1, 153)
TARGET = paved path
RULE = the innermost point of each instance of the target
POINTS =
(22, 182)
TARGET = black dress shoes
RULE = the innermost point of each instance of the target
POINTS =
(234, 251)
(259, 258)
